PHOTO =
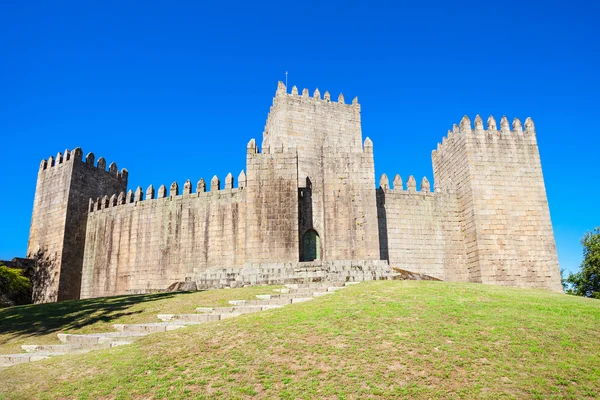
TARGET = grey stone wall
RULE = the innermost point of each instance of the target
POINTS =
(340, 202)
(350, 205)
(420, 231)
(272, 204)
(57, 232)
(137, 245)
(498, 178)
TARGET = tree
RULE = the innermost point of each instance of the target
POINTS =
(15, 289)
(564, 282)
(586, 282)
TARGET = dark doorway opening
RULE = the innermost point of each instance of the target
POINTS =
(311, 246)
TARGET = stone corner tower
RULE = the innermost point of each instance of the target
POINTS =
(506, 223)
(58, 223)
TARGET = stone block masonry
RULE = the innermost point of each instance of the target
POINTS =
(145, 245)
(502, 198)
(58, 223)
(308, 195)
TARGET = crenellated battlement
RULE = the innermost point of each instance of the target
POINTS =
(138, 196)
(76, 155)
(274, 147)
(491, 133)
(411, 185)
(316, 97)
(312, 123)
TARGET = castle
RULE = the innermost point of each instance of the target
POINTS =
(307, 207)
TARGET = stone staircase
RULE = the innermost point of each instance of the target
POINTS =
(128, 333)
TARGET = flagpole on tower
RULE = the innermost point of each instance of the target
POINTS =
(286, 73)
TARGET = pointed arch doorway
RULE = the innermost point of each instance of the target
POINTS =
(311, 246)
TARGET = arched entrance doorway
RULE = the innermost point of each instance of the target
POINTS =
(311, 246)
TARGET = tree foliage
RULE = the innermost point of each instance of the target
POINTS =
(586, 282)
(15, 289)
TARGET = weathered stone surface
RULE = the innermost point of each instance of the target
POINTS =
(502, 206)
(306, 209)
(58, 222)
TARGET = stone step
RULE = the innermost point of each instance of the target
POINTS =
(94, 339)
(291, 295)
(314, 285)
(267, 302)
(189, 317)
(351, 283)
(271, 302)
(152, 327)
(7, 360)
(52, 348)
(301, 290)
(236, 309)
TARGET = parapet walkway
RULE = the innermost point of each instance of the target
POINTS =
(128, 333)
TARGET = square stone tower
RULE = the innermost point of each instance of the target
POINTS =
(497, 175)
(337, 213)
(58, 223)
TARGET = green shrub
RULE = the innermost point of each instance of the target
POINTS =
(15, 289)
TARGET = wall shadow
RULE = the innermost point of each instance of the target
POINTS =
(382, 224)
(305, 214)
(42, 319)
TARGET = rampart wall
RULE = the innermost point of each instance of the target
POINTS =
(137, 245)
(420, 231)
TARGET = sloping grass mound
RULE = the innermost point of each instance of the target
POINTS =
(374, 340)
(39, 324)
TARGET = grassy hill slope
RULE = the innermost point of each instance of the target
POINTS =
(39, 324)
(373, 340)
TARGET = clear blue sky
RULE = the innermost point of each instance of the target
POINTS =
(174, 90)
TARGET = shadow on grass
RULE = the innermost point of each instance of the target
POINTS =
(42, 319)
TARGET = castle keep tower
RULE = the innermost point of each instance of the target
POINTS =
(58, 224)
(336, 175)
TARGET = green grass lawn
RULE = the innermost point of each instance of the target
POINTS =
(385, 339)
(39, 324)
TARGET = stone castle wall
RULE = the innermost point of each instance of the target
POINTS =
(335, 174)
(311, 187)
(498, 176)
(420, 231)
(351, 230)
(137, 245)
(272, 204)
(58, 222)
